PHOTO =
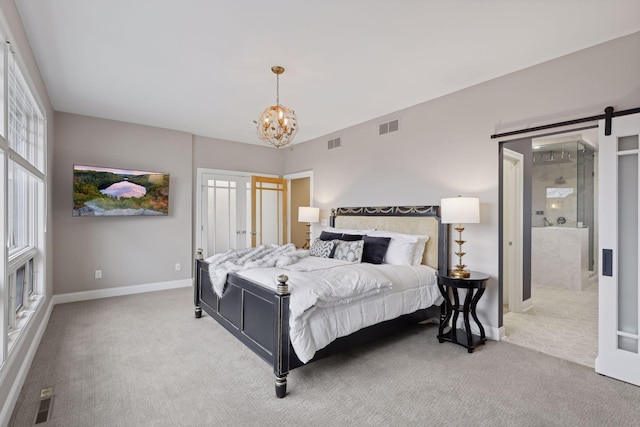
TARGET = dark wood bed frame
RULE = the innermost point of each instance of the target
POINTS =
(259, 317)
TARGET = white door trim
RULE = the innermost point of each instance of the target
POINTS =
(515, 287)
(293, 216)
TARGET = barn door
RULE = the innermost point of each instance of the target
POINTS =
(619, 299)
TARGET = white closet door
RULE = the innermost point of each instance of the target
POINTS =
(225, 212)
(619, 299)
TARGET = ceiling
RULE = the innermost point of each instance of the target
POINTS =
(204, 66)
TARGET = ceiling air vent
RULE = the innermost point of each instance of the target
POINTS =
(333, 143)
(391, 126)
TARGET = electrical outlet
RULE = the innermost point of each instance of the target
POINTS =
(177, 266)
(98, 274)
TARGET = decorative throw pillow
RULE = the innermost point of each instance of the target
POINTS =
(349, 251)
(327, 235)
(351, 237)
(375, 249)
(322, 248)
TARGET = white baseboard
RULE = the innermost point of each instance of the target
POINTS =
(119, 291)
(527, 305)
(491, 332)
(7, 408)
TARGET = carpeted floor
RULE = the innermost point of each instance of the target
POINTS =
(144, 360)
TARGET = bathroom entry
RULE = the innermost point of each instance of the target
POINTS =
(563, 213)
(559, 313)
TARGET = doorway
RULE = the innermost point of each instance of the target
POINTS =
(300, 194)
(558, 304)
(237, 210)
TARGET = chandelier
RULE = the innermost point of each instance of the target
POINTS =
(277, 124)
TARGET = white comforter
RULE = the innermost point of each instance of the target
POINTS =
(331, 298)
(220, 265)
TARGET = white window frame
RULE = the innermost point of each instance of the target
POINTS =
(31, 255)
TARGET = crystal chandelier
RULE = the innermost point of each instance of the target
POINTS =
(277, 124)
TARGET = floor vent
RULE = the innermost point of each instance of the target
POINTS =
(388, 127)
(45, 406)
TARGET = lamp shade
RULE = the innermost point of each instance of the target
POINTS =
(460, 210)
(308, 214)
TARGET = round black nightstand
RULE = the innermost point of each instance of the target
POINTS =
(475, 285)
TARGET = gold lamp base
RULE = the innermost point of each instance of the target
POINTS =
(307, 244)
(460, 274)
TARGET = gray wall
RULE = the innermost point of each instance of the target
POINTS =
(20, 41)
(211, 153)
(227, 155)
(443, 147)
(135, 250)
(128, 250)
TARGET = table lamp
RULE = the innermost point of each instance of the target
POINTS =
(460, 210)
(308, 214)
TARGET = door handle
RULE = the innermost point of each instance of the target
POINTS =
(607, 262)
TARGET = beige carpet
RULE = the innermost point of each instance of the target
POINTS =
(144, 360)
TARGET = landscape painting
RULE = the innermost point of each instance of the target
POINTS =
(100, 191)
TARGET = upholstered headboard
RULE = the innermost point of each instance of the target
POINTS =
(402, 219)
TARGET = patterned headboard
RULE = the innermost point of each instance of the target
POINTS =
(402, 219)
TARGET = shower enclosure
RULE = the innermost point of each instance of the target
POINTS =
(563, 221)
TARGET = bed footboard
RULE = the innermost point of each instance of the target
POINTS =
(196, 286)
(281, 335)
(257, 316)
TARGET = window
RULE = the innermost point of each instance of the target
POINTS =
(20, 288)
(26, 124)
(22, 206)
(30, 279)
(24, 173)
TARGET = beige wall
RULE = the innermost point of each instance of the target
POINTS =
(128, 250)
(443, 147)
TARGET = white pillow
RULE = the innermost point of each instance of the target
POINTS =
(348, 231)
(419, 249)
(402, 247)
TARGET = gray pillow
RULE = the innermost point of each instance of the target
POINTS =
(349, 251)
(322, 248)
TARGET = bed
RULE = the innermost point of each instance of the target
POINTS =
(259, 315)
